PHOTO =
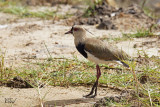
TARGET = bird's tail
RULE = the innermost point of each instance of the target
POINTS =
(124, 64)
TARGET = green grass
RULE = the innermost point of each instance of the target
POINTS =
(2, 69)
(24, 11)
(151, 13)
(72, 72)
(90, 11)
(140, 33)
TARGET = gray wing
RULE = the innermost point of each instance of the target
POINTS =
(104, 51)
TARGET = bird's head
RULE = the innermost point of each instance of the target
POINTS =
(77, 31)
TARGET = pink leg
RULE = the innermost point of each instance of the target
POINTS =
(98, 72)
(90, 95)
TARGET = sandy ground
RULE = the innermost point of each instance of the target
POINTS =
(23, 40)
(59, 96)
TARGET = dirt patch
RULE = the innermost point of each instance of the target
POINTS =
(143, 46)
(60, 96)
(27, 28)
(107, 17)
(18, 82)
(122, 97)
(7, 18)
(149, 44)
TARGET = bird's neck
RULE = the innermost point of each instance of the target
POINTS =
(79, 39)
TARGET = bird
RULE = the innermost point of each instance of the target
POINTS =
(96, 51)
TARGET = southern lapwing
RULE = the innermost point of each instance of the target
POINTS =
(96, 51)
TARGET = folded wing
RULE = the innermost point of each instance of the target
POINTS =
(103, 50)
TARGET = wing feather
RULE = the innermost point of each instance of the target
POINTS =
(103, 50)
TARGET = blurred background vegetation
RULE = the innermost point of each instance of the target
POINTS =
(150, 6)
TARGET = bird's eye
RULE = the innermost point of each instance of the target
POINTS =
(75, 29)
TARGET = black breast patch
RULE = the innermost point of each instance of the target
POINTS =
(80, 48)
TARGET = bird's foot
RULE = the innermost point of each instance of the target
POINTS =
(90, 96)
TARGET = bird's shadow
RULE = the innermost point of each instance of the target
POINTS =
(64, 102)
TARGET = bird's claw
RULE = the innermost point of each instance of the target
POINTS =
(90, 96)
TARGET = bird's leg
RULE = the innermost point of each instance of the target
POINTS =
(98, 76)
(98, 72)
(95, 84)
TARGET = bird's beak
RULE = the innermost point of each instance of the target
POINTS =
(69, 32)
